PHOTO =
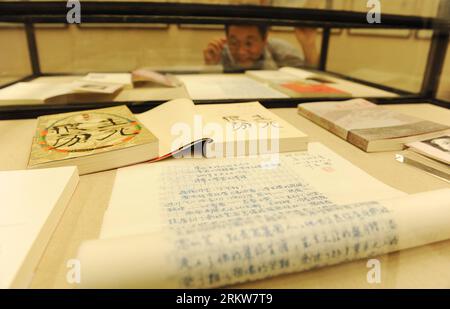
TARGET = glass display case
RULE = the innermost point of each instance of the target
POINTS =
(403, 58)
(347, 195)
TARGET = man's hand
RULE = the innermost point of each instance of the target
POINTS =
(307, 38)
(212, 54)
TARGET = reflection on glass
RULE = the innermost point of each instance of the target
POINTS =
(392, 57)
(14, 62)
(248, 47)
(444, 84)
(98, 47)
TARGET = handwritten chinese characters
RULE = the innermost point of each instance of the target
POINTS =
(239, 123)
(234, 221)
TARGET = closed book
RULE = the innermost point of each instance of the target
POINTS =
(33, 202)
(93, 140)
(424, 163)
(368, 126)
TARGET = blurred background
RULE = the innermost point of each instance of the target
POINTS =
(392, 57)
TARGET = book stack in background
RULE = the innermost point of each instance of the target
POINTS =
(431, 155)
(368, 126)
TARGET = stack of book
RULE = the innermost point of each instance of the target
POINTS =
(368, 126)
(431, 155)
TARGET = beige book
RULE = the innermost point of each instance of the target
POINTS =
(123, 79)
(32, 93)
(369, 126)
(213, 223)
(39, 92)
(95, 87)
(31, 207)
(93, 140)
(437, 148)
(227, 87)
(232, 129)
(143, 76)
(425, 163)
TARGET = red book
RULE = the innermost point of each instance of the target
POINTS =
(305, 88)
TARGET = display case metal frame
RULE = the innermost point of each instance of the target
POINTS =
(31, 13)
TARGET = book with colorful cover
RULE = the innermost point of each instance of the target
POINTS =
(93, 140)
(297, 89)
(297, 86)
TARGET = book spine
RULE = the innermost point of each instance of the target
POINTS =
(358, 141)
(426, 168)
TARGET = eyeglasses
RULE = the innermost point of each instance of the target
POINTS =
(247, 44)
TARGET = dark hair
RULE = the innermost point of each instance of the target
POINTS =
(262, 29)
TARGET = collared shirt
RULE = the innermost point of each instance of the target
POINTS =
(277, 53)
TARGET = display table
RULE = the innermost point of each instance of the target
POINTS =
(424, 267)
(154, 92)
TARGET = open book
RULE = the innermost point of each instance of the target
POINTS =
(285, 82)
(231, 129)
(101, 139)
(31, 207)
(326, 85)
(37, 93)
(94, 86)
(227, 87)
(296, 85)
(124, 80)
(211, 223)
(144, 76)
(369, 126)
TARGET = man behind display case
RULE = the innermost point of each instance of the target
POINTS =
(248, 47)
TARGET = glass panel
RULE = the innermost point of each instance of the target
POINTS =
(421, 8)
(101, 47)
(14, 62)
(444, 85)
(395, 58)
(391, 57)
